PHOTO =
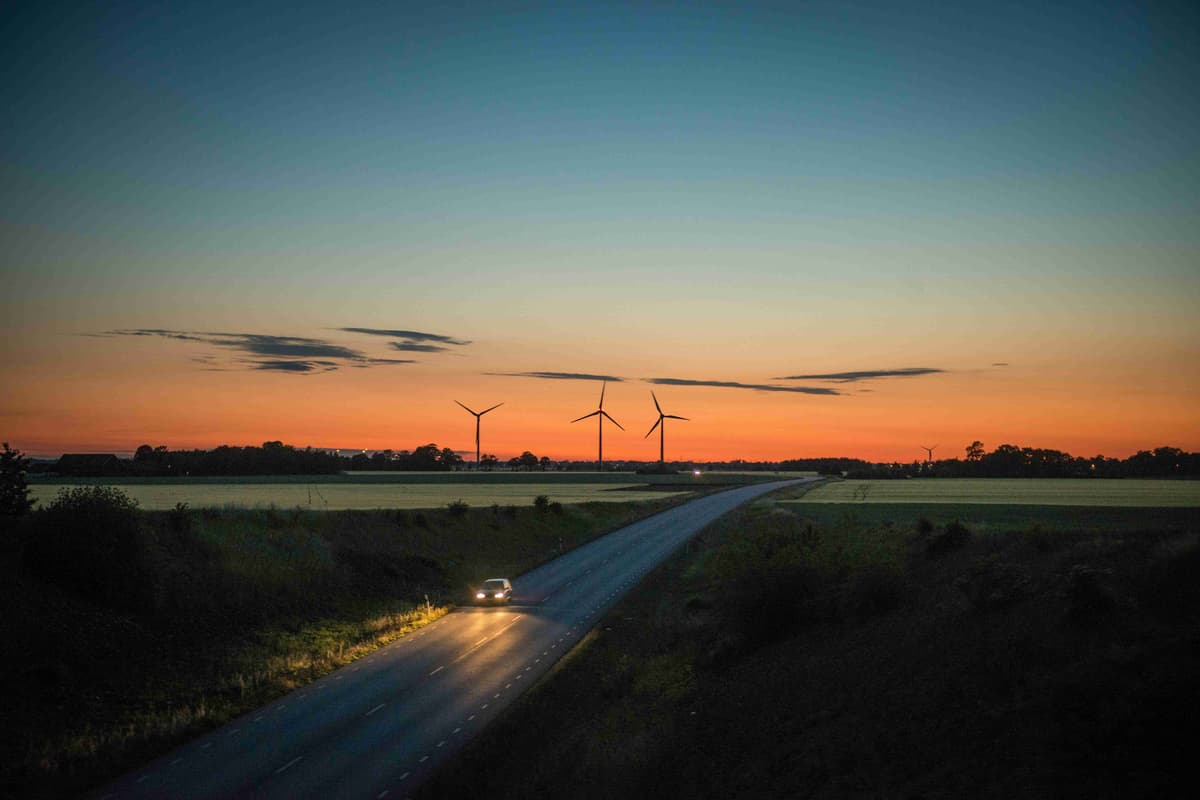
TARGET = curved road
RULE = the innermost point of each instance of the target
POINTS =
(377, 727)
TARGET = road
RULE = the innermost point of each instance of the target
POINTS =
(377, 727)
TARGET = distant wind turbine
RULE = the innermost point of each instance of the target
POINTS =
(479, 414)
(662, 428)
(930, 451)
(600, 415)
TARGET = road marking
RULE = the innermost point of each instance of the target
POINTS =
(508, 686)
(338, 677)
(485, 705)
(289, 765)
(436, 671)
(470, 718)
(206, 745)
(176, 761)
(139, 780)
(442, 742)
(456, 730)
(423, 759)
(376, 708)
(381, 795)
(234, 731)
(481, 641)
(404, 776)
(258, 719)
(519, 678)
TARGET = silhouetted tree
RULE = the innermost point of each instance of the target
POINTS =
(975, 451)
(14, 490)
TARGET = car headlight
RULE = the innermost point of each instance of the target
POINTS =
(480, 595)
(499, 595)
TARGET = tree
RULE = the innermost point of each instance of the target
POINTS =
(975, 451)
(527, 461)
(14, 489)
(488, 461)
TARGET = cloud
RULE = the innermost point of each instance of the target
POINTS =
(560, 376)
(999, 363)
(408, 336)
(413, 347)
(294, 354)
(851, 377)
(295, 366)
(758, 387)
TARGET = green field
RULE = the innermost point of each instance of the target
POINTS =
(368, 490)
(1013, 491)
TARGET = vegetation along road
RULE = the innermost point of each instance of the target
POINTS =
(379, 726)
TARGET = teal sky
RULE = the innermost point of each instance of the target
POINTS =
(629, 168)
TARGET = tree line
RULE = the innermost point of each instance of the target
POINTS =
(276, 458)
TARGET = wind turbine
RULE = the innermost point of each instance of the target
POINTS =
(662, 428)
(930, 451)
(600, 415)
(479, 414)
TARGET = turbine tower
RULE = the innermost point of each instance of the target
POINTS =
(662, 428)
(600, 415)
(930, 451)
(477, 415)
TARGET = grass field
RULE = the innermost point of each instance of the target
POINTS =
(1014, 491)
(412, 490)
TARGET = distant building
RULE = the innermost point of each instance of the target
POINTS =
(89, 464)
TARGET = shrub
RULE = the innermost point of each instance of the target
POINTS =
(953, 538)
(1089, 592)
(875, 590)
(991, 584)
(181, 518)
(541, 503)
(1041, 540)
(458, 508)
(924, 526)
(89, 541)
(556, 508)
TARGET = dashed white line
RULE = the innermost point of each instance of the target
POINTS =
(176, 761)
(442, 742)
(206, 745)
(289, 765)
(235, 731)
(381, 795)
(404, 776)
(485, 705)
(376, 708)
(423, 759)
(436, 671)
(141, 779)
(470, 718)
(456, 730)
(258, 719)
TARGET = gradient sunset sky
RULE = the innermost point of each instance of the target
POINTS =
(814, 229)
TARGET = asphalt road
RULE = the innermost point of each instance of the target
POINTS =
(377, 727)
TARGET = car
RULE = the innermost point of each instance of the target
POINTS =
(494, 590)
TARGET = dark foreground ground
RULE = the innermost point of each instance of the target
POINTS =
(826, 655)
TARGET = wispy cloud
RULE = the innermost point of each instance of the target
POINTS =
(757, 387)
(559, 376)
(408, 336)
(294, 366)
(293, 354)
(999, 363)
(864, 375)
(414, 347)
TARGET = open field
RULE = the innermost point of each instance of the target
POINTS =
(369, 490)
(1014, 491)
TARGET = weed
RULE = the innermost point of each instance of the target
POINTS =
(458, 508)
(541, 503)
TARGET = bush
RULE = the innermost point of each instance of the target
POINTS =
(924, 526)
(875, 590)
(556, 508)
(89, 542)
(541, 503)
(458, 508)
(953, 538)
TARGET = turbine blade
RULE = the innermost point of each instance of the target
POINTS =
(493, 408)
(466, 407)
(585, 416)
(672, 416)
(602, 387)
(656, 424)
(610, 419)
(657, 407)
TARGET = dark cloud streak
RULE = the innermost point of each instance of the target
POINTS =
(757, 387)
(559, 376)
(865, 375)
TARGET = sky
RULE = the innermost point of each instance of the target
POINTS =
(813, 229)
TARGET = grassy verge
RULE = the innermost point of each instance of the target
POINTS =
(796, 655)
(221, 610)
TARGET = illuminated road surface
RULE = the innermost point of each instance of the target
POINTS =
(377, 727)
